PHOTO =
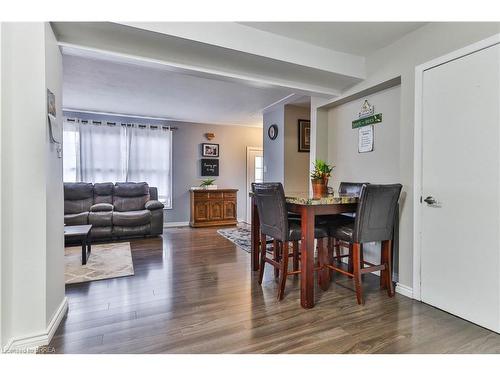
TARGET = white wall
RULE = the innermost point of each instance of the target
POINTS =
(1, 273)
(282, 162)
(186, 155)
(382, 164)
(379, 166)
(30, 238)
(400, 59)
(296, 163)
(54, 193)
(274, 150)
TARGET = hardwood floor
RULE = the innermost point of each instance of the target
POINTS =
(193, 293)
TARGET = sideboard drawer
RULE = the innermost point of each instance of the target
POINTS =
(215, 195)
(230, 195)
(201, 195)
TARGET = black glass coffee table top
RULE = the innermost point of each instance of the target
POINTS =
(81, 233)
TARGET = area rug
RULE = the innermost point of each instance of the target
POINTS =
(106, 261)
(241, 237)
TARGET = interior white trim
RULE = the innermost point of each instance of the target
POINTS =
(174, 224)
(417, 152)
(29, 344)
(404, 290)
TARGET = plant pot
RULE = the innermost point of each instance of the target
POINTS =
(320, 188)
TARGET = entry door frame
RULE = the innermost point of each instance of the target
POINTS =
(249, 150)
(418, 152)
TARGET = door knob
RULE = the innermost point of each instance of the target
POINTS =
(430, 200)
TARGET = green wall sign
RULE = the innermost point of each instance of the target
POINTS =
(367, 121)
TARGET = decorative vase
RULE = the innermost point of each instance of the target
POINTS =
(320, 188)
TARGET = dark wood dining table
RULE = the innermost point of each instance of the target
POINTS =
(308, 209)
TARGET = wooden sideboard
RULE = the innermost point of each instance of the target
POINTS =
(213, 207)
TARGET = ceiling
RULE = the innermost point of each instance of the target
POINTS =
(130, 89)
(214, 73)
(359, 38)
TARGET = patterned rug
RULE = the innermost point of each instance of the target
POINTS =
(241, 237)
(106, 261)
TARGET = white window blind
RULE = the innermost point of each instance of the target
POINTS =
(100, 151)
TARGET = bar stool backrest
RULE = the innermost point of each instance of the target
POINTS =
(271, 205)
(376, 212)
(351, 188)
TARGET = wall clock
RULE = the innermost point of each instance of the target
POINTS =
(272, 132)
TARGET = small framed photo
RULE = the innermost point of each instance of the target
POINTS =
(304, 135)
(210, 150)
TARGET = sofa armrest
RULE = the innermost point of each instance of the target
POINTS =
(154, 205)
(101, 207)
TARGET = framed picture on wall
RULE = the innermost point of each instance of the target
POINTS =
(209, 167)
(210, 150)
(304, 135)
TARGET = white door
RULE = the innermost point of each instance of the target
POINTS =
(255, 173)
(460, 253)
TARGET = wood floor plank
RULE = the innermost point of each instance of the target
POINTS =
(192, 292)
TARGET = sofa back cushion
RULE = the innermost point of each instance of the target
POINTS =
(130, 196)
(103, 192)
(78, 197)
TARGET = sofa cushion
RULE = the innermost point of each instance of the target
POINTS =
(101, 232)
(76, 219)
(101, 207)
(130, 196)
(78, 190)
(78, 197)
(131, 189)
(131, 218)
(101, 219)
(103, 192)
(139, 230)
(77, 206)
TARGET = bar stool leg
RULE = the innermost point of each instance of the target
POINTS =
(338, 252)
(331, 248)
(387, 249)
(350, 260)
(383, 273)
(284, 270)
(295, 250)
(276, 248)
(361, 259)
(263, 249)
(356, 250)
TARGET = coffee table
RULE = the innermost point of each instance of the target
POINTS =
(82, 234)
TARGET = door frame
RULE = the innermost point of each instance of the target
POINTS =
(418, 153)
(247, 189)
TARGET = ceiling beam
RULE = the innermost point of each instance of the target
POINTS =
(247, 39)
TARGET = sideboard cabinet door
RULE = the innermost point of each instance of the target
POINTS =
(229, 210)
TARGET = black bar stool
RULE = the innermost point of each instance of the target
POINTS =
(275, 223)
(374, 221)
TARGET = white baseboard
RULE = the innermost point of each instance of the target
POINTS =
(29, 344)
(404, 290)
(176, 224)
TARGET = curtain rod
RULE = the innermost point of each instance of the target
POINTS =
(120, 115)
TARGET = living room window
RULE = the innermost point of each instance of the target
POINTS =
(103, 151)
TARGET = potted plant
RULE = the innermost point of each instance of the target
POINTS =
(208, 183)
(319, 178)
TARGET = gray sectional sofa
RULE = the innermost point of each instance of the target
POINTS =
(115, 210)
